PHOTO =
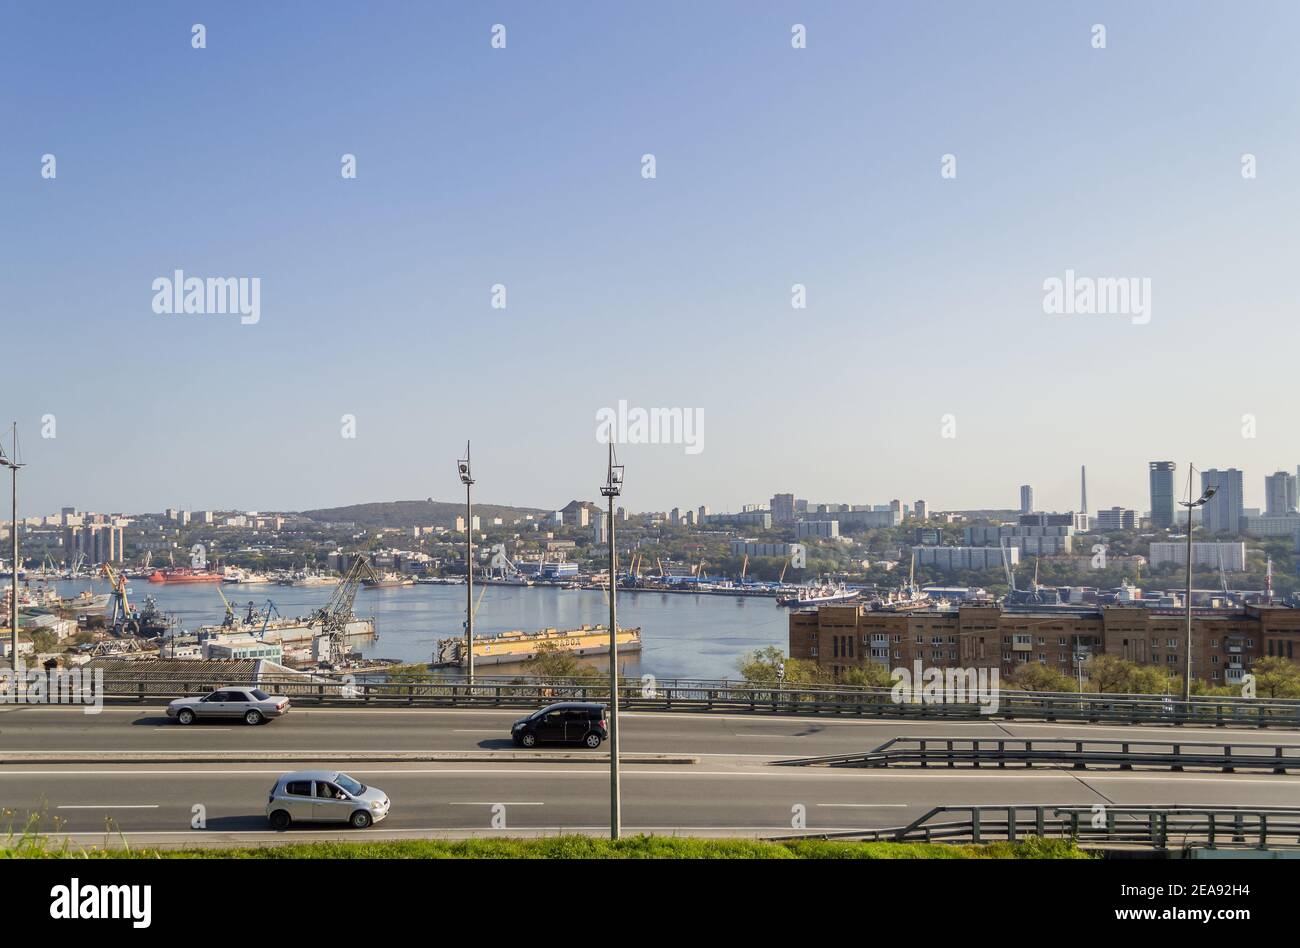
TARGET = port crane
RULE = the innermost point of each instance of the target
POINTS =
(333, 617)
(120, 619)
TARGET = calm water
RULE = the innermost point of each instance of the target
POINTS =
(682, 635)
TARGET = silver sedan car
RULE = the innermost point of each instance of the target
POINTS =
(325, 796)
(253, 705)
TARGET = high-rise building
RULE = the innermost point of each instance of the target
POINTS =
(1026, 498)
(1279, 494)
(1162, 493)
(1083, 489)
(922, 511)
(1223, 511)
(783, 508)
(102, 543)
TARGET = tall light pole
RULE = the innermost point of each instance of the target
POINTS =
(462, 466)
(1190, 504)
(613, 487)
(13, 464)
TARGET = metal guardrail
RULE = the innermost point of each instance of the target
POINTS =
(1079, 754)
(1159, 827)
(726, 696)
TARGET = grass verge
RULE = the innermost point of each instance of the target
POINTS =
(31, 846)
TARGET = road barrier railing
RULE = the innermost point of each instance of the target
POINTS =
(1059, 752)
(721, 696)
(1159, 827)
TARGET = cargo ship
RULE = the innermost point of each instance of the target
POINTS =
(514, 647)
(184, 574)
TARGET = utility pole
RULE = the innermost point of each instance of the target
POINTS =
(467, 479)
(1190, 505)
(613, 487)
(13, 464)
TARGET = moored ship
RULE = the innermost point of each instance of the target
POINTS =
(184, 574)
(513, 647)
(822, 595)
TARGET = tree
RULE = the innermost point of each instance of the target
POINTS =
(760, 667)
(1276, 677)
(1114, 675)
(1035, 676)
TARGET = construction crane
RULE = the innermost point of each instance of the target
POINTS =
(744, 566)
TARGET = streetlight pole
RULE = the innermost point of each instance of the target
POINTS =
(1190, 505)
(13, 465)
(462, 467)
(613, 487)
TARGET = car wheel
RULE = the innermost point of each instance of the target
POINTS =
(253, 716)
(185, 716)
(528, 740)
(592, 740)
(360, 820)
(280, 820)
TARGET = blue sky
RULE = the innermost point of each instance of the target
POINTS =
(522, 166)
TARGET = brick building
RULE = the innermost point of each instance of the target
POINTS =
(1225, 642)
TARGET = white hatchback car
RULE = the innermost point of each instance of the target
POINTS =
(325, 796)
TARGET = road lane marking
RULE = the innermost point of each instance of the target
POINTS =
(868, 805)
(109, 806)
(499, 803)
(788, 773)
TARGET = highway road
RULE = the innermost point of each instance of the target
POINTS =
(732, 788)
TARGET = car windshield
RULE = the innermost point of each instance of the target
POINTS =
(260, 695)
(350, 785)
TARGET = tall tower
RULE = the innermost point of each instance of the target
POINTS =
(1083, 488)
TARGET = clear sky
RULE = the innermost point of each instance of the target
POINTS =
(523, 166)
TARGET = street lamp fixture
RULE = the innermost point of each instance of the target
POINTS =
(612, 488)
(13, 464)
(1190, 505)
(467, 478)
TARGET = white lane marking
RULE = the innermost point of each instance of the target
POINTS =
(109, 806)
(800, 774)
(476, 730)
(169, 729)
(867, 805)
(499, 803)
(384, 832)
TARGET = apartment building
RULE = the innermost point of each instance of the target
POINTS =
(1225, 642)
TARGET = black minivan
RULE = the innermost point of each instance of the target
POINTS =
(570, 722)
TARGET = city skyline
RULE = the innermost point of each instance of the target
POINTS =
(1242, 498)
(481, 168)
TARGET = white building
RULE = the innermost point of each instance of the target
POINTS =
(966, 557)
(1231, 556)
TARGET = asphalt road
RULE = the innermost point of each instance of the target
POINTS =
(732, 790)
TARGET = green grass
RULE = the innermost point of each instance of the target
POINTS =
(34, 846)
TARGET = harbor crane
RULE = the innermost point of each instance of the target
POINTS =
(333, 617)
(120, 617)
